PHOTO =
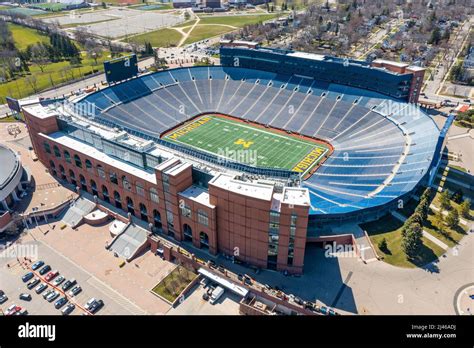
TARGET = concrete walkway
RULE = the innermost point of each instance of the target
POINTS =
(425, 234)
(445, 213)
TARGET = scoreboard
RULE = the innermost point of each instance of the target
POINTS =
(121, 68)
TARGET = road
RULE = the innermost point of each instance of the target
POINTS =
(433, 87)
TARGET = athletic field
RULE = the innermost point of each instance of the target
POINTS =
(248, 144)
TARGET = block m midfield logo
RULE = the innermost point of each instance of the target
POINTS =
(28, 330)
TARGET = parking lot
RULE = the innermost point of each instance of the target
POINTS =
(11, 272)
(194, 304)
(118, 22)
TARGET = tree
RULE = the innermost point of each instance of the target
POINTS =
(457, 196)
(452, 220)
(411, 241)
(435, 36)
(465, 209)
(39, 55)
(444, 200)
(383, 245)
(93, 51)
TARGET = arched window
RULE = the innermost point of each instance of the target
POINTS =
(204, 239)
(130, 207)
(77, 161)
(71, 174)
(117, 200)
(61, 170)
(47, 148)
(82, 180)
(105, 191)
(88, 165)
(67, 156)
(93, 185)
(52, 165)
(143, 209)
(57, 153)
(117, 197)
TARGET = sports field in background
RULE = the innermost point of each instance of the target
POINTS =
(248, 144)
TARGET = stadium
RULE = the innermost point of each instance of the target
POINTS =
(251, 158)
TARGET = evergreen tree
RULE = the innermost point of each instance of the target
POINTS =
(444, 200)
(465, 209)
(452, 220)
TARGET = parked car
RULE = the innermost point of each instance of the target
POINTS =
(33, 283)
(44, 270)
(54, 295)
(12, 309)
(27, 277)
(89, 303)
(94, 308)
(23, 311)
(299, 301)
(333, 312)
(61, 302)
(37, 265)
(47, 293)
(68, 284)
(75, 290)
(58, 280)
(3, 296)
(40, 288)
(323, 310)
(68, 309)
(25, 297)
(51, 275)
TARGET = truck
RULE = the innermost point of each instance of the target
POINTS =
(216, 294)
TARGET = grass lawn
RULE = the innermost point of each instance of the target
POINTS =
(160, 38)
(185, 24)
(450, 236)
(57, 72)
(389, 228)
(171, 286)
(248, 144)
(236, 21)
(8, 119)
(24, 37)
(202, 32)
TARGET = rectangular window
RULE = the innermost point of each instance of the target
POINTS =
(154, 196)
(140, 191)
(186, 210)
(202, 218)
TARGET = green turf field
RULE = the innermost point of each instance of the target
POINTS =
(248, 144)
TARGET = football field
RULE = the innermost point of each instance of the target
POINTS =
(248, 144)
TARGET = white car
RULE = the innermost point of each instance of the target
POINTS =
(58, 280)
(51, 297)
(90, 303)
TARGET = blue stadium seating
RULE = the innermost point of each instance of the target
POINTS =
(373, 163)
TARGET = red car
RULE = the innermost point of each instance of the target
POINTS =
(51, 275)
(13, 309)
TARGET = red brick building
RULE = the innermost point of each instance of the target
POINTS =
(257, 221)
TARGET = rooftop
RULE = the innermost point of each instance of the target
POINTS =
(296, 196)
(198, 195)
(259, 191)
(92, 152)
